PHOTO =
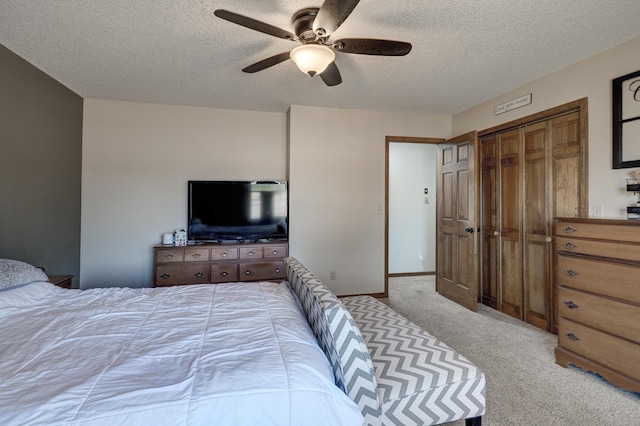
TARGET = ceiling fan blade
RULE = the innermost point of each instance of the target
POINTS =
(331, 15)
(266, 63)
(331, 76)
(254, 24)
(370, 46)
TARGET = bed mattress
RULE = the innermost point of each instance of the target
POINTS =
(224, 354)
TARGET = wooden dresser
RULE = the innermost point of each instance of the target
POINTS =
(598, 297)
(217, 263)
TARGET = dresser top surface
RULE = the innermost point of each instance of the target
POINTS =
(601, 220)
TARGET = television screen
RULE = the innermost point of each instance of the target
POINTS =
(222, 211)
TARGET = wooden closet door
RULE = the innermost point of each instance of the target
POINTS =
(510, 238)
(537, 228)
(569, 176)
(490, 226)
(530, 175)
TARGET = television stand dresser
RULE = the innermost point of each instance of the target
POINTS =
(218, 263)
(598, 285)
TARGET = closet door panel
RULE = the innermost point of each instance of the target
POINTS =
(489, 211)
(511, 278)
(568, 169)
(537, 284)
(510, 245)
(537, 229)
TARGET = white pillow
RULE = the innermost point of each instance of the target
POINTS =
(14, 273)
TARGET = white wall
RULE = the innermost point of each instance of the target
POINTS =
(137, 159)
(412, 214)
(589, 78)
(337, 178)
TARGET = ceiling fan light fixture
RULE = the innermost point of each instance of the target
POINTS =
(312, 59)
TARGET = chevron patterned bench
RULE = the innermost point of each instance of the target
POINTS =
(421, 381)
(397, 373)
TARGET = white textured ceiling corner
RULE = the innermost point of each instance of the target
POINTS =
(177, 52)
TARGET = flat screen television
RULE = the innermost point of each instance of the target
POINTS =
(233, 211)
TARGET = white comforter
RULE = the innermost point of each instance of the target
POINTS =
(225, 354)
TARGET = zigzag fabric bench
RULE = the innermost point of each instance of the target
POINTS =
(397, 373)
(421, 381)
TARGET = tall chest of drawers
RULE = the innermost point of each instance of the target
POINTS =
(598, 297)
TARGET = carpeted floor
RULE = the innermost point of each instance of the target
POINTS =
(524, 384)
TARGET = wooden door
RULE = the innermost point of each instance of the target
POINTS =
(533, 170)
(457, 221)
(490, 226)
(509, 212)
(537, 229)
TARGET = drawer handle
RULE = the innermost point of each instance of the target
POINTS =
(251, 253)
(196, 255)
(569, 230)
(569, 304)
(198, 274)
(168, 255)
(247, 272)
(165, 276)
(223, 254)
(224, 273)
(570, 273)
(571, 336)
(278, 270)
(275, 252)
(569, 245)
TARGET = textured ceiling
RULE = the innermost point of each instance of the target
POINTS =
(177, 52)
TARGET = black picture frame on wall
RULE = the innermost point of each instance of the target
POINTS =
(626, 121)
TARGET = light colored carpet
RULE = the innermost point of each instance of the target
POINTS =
(524, 384)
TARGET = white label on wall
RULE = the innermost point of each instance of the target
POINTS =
(513, 104)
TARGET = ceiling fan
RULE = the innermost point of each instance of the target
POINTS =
(313, 28)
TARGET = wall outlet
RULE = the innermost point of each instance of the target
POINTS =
(332, 275)
(597, 210)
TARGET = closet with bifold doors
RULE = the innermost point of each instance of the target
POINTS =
(532, 170)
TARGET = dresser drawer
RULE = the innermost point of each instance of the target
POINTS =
(172, 275)
(255, 271)
(275, 251)
(612, 352)
(224, 272)
(196, 255)
(598, 231)
(170, 255)
(607, 278)
(224, 254)
(611, 316)
(599, 248)
(250, 253)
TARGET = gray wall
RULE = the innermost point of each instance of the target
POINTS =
(40, 172)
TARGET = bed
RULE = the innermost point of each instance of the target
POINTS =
(224, 354)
